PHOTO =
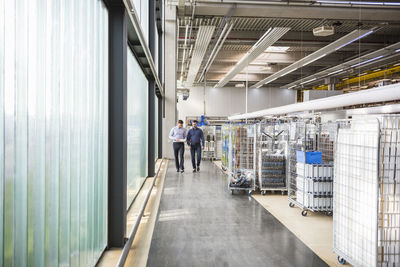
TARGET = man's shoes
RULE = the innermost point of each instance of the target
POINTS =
(177, 170)
(194, 170)
(182, 171)
(198, 168)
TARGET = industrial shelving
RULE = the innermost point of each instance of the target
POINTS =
(310, 165)
(218, 142)
(272, 141)
(210, 137)
(366, 221)
(241, 157)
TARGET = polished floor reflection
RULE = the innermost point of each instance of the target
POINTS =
(201, 224)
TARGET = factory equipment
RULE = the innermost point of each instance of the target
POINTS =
(310, 165)
(241, 157)
(272, 140)
(210, 136)
(366, 222)
(218, 144)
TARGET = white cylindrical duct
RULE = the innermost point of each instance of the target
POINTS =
(380, 94)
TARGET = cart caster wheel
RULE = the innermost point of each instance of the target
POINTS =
(291, 205)
(329, 213)
(249, 193)
(262, 192)
(304, 213)
(341, 260)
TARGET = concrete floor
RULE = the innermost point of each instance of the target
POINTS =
(200, 223)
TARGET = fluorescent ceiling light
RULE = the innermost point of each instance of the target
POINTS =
(218, 45)
(308, 81)
(277, 49)
(326, 50)
(359, 37)
(268, 39)
(398, 50)
(366, 61)
(203, 39)
(384, 52)
(334, 72)
(308, 62)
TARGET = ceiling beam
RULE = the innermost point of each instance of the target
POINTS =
(207, 8)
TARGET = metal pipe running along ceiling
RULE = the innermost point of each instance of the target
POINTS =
(203, 39)
(374, 95)
(326, 50)
(268, 39)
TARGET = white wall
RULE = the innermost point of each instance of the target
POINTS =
(230, 100)
(317, 94)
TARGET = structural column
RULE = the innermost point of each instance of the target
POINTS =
(169, 119)
(151, 99)
(160, 124)
(151, 128)
(117, 129)
(160, 75)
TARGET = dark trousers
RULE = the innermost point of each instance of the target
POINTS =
(195, 149)
(179, 148)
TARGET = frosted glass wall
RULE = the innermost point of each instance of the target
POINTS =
(142, 9)
(137, 128)
(53, 132)
(156, 127)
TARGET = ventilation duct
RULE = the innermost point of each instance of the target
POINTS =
(375, 95)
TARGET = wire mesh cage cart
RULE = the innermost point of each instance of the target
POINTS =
(310, 166)
(210, 136)
(366, 221)
(242, 163)
(218, 142)
(225, 132)
(272, 141)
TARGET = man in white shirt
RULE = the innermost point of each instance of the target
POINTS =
(178, 135)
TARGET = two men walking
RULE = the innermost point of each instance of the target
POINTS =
(195, 140)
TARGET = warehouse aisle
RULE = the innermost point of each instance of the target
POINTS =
(201, 224)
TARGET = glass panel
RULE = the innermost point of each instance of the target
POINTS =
(144, 18)
(156, 128)
(142, 10)
(137, 127)
(21, 147)
(2, 70)
(53, 132)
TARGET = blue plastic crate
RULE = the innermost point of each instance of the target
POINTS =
(312, 157)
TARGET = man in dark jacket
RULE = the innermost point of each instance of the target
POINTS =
(195, 140)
